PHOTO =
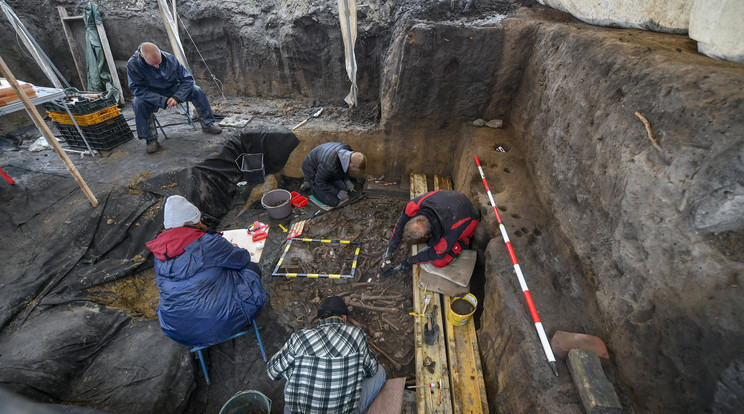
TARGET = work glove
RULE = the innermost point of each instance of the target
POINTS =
(404, 265)
(342, 195)
(386, 256)
(349, 185)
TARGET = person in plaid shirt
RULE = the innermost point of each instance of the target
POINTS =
(329, 369)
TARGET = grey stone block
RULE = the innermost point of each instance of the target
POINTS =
(595, 391)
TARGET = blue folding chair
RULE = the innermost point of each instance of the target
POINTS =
(198, 349)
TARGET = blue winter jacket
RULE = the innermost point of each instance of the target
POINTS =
(209, 291)
(155, 86)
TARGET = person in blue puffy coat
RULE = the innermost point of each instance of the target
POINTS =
(209, 288)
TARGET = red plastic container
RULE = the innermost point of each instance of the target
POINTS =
(299, 201)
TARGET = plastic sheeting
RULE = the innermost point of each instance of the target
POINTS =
(347, 15)
(56, 344)
(99, 77)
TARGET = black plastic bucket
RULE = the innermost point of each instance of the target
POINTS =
(251, 165)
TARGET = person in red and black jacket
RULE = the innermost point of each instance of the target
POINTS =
(445, 220)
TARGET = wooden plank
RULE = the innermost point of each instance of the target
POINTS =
(428, 400)
(466, 372)
(74, 50)
(110, 60)
(171, 28)
(418, 185)
(173, 36)
(39, 121)
(442, 183)
(466, 380)
(71, 18)
(175, 17)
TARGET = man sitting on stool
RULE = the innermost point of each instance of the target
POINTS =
(159, 81)
(329, 369)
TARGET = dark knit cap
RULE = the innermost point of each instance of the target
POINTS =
(332, 306)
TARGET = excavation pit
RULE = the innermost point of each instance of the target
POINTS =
(624, 233)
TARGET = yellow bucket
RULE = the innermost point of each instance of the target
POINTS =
(461, 303)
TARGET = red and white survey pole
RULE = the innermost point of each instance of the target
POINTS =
(533, 311)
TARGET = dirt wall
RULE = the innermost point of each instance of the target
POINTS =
(655, 229)
(656, 235)
(253, 48)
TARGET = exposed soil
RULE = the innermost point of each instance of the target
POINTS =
(634, 240)
(379, 306)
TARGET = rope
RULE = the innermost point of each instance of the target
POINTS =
(214, 78)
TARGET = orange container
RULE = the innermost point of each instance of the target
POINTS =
(86, 120)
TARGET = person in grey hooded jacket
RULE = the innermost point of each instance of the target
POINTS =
(326, 169)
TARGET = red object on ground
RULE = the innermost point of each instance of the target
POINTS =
(259, 235)
(562, 342)
(11, 182)
(299, 201)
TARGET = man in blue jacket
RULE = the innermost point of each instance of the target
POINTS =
(444, 219)
(326, 169)
(209, 288)
(159, 81)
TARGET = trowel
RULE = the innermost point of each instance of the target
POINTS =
(315, 115)
(431, 329)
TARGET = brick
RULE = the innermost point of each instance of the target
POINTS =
(562, 342)
(595, 391)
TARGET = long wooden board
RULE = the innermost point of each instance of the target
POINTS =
(74, 50)
(429, 400)
(466, 372)
(455, 356)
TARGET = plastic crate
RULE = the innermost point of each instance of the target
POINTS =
(102, 136)
(252, 167)
(80, 103)
(86, 120)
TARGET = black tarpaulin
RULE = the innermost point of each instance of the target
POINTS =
(56, 343)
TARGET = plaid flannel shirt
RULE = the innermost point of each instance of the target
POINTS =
(325, 367)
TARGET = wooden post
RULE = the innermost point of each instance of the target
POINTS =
(110, 60)
(36, 117)
(175, 40)
(171, 27)
(175, 17)
(73, 48)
